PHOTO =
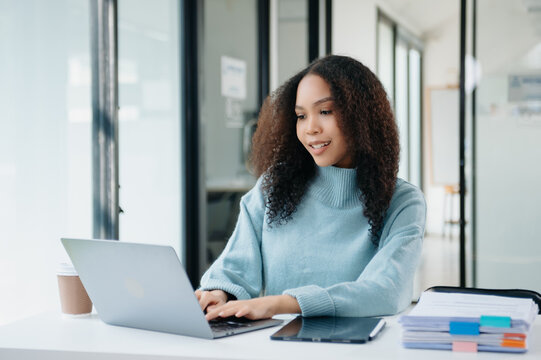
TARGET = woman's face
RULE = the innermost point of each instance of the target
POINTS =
(317, 126)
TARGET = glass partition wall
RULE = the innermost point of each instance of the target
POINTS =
(399, 69)
(228, 56)
(45, 147)
(385, 54)
(505, 124)
(149, 122)
(45, 137)
(288, 39)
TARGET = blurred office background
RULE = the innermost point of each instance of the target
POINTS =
(461, 74)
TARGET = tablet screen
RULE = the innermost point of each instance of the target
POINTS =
(330, 329)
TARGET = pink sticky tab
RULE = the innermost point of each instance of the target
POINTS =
(464, 346)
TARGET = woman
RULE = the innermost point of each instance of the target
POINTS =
(328, 229)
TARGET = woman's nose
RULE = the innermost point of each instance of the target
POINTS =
(312, 127)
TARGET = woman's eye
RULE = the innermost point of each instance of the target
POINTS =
(325, 112)
(300, 116)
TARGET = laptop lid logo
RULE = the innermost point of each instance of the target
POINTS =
(134, 288)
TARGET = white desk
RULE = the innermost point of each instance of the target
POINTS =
(49, 336)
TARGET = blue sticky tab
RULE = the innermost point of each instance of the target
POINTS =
(495, 321)
(463, 328)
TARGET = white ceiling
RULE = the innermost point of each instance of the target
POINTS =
(425, 16)
(508, 31)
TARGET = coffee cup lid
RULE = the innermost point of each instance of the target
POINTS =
(66, 269)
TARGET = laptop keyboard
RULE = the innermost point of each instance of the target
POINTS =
(230, 323)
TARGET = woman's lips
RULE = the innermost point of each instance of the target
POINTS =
(318, 147)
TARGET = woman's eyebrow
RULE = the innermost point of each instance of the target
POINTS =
(325, 99)
(320, 101)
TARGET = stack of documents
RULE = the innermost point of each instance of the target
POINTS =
(469, 322)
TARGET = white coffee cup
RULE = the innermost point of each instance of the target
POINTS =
(74, 299)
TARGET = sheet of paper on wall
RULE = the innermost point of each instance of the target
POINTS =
(443, 320)
(233, 78)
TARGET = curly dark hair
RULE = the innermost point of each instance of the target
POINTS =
(366, 119)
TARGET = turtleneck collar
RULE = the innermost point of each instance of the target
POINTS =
(336, 187)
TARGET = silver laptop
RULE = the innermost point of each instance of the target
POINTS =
(145, 286)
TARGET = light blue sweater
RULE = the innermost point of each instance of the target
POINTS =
(323, 256)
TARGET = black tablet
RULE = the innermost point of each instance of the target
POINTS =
(331, 329)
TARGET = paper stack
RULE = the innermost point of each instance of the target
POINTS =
(469, 322)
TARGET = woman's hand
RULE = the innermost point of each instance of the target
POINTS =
(210, 299)
(254, 309)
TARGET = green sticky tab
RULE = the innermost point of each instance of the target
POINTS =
(495, 321)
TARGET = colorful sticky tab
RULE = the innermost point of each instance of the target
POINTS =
(495, 321)
(514, 343)
(463, 328)
(464, 346)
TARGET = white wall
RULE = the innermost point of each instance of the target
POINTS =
(354, 30)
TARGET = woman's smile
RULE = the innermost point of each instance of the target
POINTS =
(319, 146)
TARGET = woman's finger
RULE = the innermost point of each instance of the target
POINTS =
(207, 299)
(243, 311)
(214, 312)
(229, 311)
(225, 310)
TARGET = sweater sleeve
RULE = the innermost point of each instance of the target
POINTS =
(386, 284)
(238, 270)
